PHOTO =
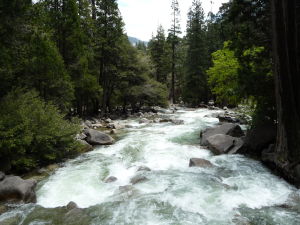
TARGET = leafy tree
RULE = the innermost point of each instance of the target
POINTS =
(33, 133)
(223, 76)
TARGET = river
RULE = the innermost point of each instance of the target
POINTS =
(237, 190)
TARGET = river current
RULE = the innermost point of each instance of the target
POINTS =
(237, 190)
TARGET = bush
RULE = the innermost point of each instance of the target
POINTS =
(33, 133)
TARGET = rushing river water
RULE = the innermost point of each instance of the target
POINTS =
(237, 190)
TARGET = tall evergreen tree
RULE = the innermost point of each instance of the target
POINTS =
(173, 38)
(159, 54)
(109, 27)
(195, 88)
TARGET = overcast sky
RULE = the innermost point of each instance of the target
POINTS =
(143, 16)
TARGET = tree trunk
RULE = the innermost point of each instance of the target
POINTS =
(173, 74)
(286, 44)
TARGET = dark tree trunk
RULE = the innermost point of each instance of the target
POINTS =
(93, 9)
(173, 74)
(286, 44)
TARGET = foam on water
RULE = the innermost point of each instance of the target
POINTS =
(174, 193)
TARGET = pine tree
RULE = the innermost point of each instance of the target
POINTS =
(173, 38)
(109, 27)
(195, 88)
(159, 55)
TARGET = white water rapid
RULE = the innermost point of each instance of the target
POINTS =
(237, 190)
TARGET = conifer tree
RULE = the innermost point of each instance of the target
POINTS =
(159, 55)
(195, 88)
(109, 27)
(173, 38)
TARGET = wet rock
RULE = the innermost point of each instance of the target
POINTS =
(230, 129)
(15, 189)
(196, 162)
(71, 205)
(110, 179)
(118, 126)
(165, 120)
(76, 216)
(58, 216)
(2, 176)
(126, 188)
(177, 122)
(156, 120)
(220, 143)
(128, 126)
(144, 120)
(143, 168)
(95, 137)
(238, 145)
(138, 179)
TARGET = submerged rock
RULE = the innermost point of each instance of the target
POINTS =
(110, 179)
(230, 129)
(138, 179)
(143, 168)
(126, 188)
(15, 189)
(144, 120)
(177, 122)
(95, 137)
(67, 215)
(71, 205)
(196, 162)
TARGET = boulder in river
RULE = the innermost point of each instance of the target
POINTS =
(222, 144)
(230, 129)
(95, 137)
(144, 120)
(143, 168)
(15, 189)
(177, 122)
(110, 179)
(196, 162)
(138, 179)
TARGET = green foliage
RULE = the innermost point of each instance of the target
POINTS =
(195, 83)
(223, 76)
(247, 25)
(160, 55)
(32, 132)
(45, 71)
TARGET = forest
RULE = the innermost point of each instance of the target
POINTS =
(62, 60)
